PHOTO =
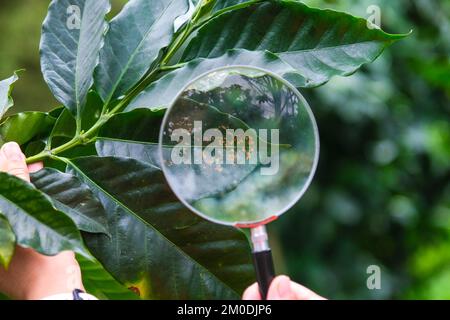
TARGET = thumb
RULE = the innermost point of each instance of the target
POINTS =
(15, 161)
(281, 289)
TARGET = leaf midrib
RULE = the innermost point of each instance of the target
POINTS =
(327, 48)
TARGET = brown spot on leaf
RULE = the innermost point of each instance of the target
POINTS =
(135, 290)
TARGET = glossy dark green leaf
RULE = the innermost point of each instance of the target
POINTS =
(7, 242)
(34, 147)
(158, 246)
(72, 197)
(55, 164)
(40, 141)
(26, 126)
(162, 92)
(319, 44)
(139, 125)
(36, 223)
(133, 135)
(65, 127)
(92, 112)
(56, 112)
(6, 101)
(72, 36)
(133, 42)
(98, 282)
(80, 151)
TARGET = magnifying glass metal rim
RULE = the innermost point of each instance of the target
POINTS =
(243, 224)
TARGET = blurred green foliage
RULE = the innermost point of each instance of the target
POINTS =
(381, 194)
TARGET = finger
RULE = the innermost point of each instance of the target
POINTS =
(16, 164)
(3, 162)
(35, 167)
(252, 293)
(303, 293)
(280, 289)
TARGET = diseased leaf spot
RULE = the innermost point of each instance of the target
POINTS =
(135, 290)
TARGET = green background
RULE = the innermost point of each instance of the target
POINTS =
(381, 195)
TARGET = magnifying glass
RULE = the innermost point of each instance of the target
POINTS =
(239, 146)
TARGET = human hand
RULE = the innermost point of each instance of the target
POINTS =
(282, 288)
(30, 275)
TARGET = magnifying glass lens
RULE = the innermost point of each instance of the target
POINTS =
(239, 146)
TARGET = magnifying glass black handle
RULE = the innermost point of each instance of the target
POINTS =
(265, 271)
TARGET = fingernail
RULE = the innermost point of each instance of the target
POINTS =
(12, 152)
(284, 287)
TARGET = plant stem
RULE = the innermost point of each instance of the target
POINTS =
(173, 67)
(177, 44)
(77, 140)
(191, 25)
(39, 157)
(78, 124)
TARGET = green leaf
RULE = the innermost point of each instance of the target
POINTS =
(319, 44)
(220, 6)
(65, 126)
(34, 147)
(56, 112)
(160, 94)
(142, 151)
(98, 282)
(72, 36)
(6, 101)
(7, 242)
(39, 141)
(181, 20)
(206, 10)
(36, 223)
(72, 197)
(92, 112)
(26, 126)
(158, 246)
(132, 135)
(133, 42)
(212, 8)
(305, 46)
(139, 125)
